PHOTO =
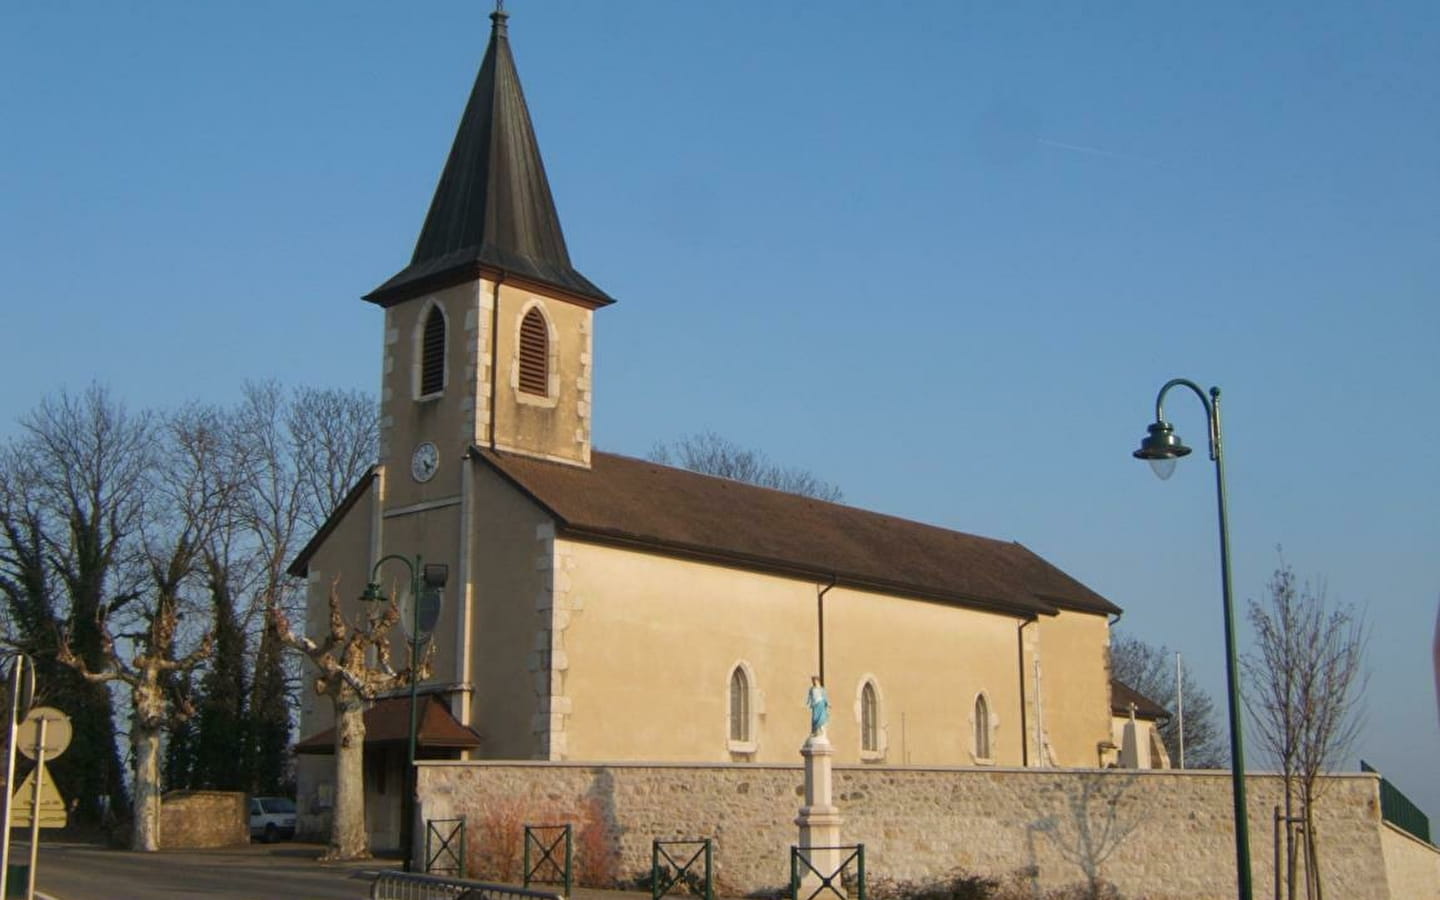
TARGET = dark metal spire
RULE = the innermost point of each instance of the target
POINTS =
(492, 209)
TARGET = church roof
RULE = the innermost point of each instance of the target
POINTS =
(1123, 695)
(635, 503)
(388, 722)
(492, 209)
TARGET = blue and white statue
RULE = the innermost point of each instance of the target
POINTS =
(819, 705)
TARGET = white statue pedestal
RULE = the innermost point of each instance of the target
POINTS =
(819, 820)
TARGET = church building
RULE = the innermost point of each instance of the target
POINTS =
(605, 608)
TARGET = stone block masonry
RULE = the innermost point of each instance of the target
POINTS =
(1158, 834)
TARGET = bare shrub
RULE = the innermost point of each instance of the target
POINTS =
(597, 849)
(497, 841)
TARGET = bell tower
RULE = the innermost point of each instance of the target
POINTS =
(489, 329)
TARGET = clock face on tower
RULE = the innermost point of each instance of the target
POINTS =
(424, 461)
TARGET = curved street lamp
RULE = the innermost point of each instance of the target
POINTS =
(424, 612)
(1161, 448)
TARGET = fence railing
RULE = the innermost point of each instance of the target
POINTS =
(393, 884)
(1397, 809)
(445, 847)
(554, 863)
(802, 869)
(667, 870)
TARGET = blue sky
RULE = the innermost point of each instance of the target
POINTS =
(942, 253)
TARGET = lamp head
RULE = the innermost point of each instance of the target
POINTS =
(373, 594)
(1161, 447)
(434, 575)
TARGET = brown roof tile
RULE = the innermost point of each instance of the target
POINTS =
(388, 722)
(632, 502)
(1122, 695)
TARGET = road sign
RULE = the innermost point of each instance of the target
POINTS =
(52, 805)
(57, 732)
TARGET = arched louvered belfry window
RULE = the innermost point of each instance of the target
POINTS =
(534, 354)
(982, 728)
(739, 705)
(432, 353)
(869, 718)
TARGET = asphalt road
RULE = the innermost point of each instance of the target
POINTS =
(256, 872)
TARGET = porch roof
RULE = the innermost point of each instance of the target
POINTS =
(388, 722)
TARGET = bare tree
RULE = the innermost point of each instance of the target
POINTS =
(1151, 671)
(298, 452)
(345, 675)
(72, 500)
(711, 454)
(189, 494)
(1307, 681)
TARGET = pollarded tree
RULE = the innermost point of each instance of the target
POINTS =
(190, 492)
(1306, 683)
(1151, 671)
(297, 452)
(345, 675)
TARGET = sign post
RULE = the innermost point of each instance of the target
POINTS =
(21, 689)
(45, 733)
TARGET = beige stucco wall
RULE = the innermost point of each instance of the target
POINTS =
(557, 427)
(649, 644)
(513, 570)
(1074, 655)
(1411, 865)
(1150, 745)
(1162, 835)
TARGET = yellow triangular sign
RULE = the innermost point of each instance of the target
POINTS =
(52, 805)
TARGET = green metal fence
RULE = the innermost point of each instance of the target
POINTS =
(1397, 809)
(445, 847)
(831, 884)
(693, 873)
(550, 855)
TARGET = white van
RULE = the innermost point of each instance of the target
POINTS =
(272, 818)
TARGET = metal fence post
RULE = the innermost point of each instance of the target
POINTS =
(709, 871)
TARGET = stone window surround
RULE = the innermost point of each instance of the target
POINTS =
(417, 357)
(552, 363)
(752, 745)
(992, 721)
(882, 737)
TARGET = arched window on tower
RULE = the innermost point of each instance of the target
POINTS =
(982, 728)
(432, 353)
(534, 354)
(739, 706)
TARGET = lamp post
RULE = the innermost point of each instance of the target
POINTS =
(432, 578)
(1161, 448)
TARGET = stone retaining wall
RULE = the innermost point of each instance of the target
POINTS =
(1158, 834)
(196, 819)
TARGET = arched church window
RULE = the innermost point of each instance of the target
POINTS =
(534, 354)
(982, 728)
(432, 353)
(869, 718)
(739, 706)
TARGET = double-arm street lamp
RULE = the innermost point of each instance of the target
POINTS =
(1161, 448)
(426, 582)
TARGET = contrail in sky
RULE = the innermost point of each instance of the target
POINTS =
(1079, 148)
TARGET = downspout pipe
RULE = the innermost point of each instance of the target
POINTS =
(1024, 732)
(820, 615)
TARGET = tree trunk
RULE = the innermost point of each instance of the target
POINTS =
(146, 836)
(348, 836)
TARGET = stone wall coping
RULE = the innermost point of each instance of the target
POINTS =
(861, 767)
(1405, 834)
